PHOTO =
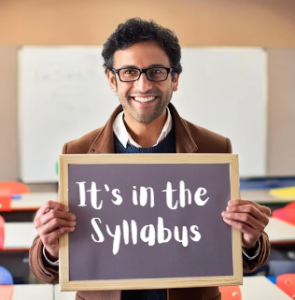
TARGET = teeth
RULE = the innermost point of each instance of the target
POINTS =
(144, 99)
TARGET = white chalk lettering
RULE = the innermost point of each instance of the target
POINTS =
(161, 232)
(116, 236)
(184, 239)
(197, 236)
(169, 196)
(93, 196)
(185, 196)
(148, 234)
(200, 192)
(82, 193)
(97, 231)
(116, 194)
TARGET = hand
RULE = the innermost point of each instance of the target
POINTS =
(248, 217)
(52, 220)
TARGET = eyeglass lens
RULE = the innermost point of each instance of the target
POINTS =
(154, 74)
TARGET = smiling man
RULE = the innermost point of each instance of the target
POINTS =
(142, 64)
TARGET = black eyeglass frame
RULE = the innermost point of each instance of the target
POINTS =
(169, 70)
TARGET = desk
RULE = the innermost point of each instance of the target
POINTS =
(58, 295)
(280, 232)
(263, 197)
(19, 236)
(32, 201)
(259, 287)
(33, 291)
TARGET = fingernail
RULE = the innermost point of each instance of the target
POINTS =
(72, 216)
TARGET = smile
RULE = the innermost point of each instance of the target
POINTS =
(144, 99)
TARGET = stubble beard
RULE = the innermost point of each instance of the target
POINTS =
(163, 101)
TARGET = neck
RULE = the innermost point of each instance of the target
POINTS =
(145, 135)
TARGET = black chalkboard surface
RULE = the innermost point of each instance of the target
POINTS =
(149, 221)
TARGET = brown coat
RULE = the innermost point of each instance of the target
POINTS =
(189, 139)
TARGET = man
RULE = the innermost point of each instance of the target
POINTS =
(142, 63)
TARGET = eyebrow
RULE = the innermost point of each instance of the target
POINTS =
(151, 66)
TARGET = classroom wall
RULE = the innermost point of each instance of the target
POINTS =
(281, 112)
(9, 161)
(196, 22)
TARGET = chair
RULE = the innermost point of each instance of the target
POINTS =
(286, 283)
(5, 277)
(13, 187)
(287, 213)
(2, 232)
(230, 292)
(7, 190)
(6, 292)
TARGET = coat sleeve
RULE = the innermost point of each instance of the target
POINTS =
(260, 260)
(38, 267)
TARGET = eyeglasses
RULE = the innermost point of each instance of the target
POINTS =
(152, 74)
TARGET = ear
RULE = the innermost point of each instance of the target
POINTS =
(112, 80)
(175, 82)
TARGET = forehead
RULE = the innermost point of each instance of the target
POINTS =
(141, 55)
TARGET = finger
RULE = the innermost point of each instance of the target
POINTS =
(250, 209)
(250, 235)
(49, 205)
(264, 209)
(244, 218)
(54, 214)
(50, 238)
(55, 224)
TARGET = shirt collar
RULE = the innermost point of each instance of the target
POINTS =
(125, 138)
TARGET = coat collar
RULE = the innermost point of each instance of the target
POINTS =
(104, 142)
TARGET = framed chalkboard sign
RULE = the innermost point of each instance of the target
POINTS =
(149, 221)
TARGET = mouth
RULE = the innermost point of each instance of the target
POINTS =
(144, 99)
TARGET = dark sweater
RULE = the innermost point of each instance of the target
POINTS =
(165, 146)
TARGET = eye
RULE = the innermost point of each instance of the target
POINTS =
(130, 71)
(157, 71)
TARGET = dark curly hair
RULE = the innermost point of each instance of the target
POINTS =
(136, 30)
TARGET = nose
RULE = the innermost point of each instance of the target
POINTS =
(143, 84)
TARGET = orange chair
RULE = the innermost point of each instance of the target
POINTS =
(14, 188)
(286, 282)
(2, 236)
(230, 292)
(8, 189)
(287, 213)
(6, 292)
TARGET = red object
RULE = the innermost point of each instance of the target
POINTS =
(231, 292)
(286, 282)
(6, 292)
(2, 236)
(286, 213)
(14, 188)
(5, 202)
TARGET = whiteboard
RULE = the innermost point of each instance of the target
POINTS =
(63, 94)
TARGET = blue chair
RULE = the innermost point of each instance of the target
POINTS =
(5, 277)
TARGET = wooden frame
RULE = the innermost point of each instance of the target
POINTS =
(184, 282)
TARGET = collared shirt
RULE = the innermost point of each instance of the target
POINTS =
(125, 138)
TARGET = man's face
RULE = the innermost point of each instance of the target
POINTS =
(142, 100)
